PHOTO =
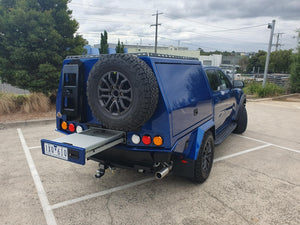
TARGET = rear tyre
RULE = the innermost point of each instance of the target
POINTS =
(241, 120)
(122, 92)
(204, 161)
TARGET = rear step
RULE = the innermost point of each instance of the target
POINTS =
(78, 147)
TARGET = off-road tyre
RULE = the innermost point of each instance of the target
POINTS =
(204, 161)
(122, 92)
(241, 120)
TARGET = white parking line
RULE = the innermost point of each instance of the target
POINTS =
(279, 146)
(101, 193)
(48, 208)
(242, 152)
(50, 219)
(123, 187)
(34, 147)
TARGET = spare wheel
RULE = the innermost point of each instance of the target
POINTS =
(122, 92)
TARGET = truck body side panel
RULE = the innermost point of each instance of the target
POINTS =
(186, 91)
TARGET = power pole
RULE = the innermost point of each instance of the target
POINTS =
(156, 28)
(278, 35)
(272, 27)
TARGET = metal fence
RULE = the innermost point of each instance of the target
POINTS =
(7, 88)
(278, 79)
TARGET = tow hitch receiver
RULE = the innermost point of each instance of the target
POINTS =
(78, 147)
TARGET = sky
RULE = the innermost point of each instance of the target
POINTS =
(223, 25)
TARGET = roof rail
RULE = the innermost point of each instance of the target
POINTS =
(82, 56)
(136, 54)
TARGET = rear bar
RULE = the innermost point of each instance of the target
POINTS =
(78, 147)
(63, 151)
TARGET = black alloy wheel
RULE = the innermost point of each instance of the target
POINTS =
(204, 161)
(207, 159)
(115, 93)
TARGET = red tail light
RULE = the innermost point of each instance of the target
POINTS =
(146, 139)
(71, 127)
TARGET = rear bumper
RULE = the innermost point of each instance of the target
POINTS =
(145, 160)
(131, 159)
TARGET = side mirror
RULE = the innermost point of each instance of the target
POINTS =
(238, 84)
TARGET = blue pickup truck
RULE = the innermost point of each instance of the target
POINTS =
(149, 112)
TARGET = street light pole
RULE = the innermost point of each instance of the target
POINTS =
(272, 27)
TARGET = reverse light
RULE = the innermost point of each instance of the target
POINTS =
(157, 140)
(135, 139)
(64, 125)
(71, 127)
(146, 139)
(79, 129)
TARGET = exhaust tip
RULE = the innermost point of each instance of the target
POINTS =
(158, 175)
(162, 173)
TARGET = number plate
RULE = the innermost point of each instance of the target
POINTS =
(56, 151)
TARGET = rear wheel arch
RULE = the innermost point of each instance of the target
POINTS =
(204, 161)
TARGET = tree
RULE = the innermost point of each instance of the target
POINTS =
(103, 43)
(257, 61)
(35, 37)
(243, 63)
(295, 71)
(201, 51)
(280, 61)
(120, 47)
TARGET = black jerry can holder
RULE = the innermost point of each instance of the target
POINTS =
(72, 80)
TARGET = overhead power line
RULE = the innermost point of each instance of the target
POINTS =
(241, 28)
(202, 30)
(209, 25)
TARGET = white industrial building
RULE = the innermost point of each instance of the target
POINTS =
(169, 50)
(211, 60)
(225, 62)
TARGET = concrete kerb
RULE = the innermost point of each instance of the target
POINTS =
(20, 124)
(282, 97)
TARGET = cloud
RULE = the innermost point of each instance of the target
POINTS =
(210, 24)
(236, 9)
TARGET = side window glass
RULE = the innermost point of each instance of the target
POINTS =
(212, 79)
(224, 82)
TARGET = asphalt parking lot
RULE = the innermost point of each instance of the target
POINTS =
(255, 180)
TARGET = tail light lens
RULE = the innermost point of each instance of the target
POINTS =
(79, 129)
(157, 140)
(146, 139)
(135, 139)
(64, 125)
(71, 127)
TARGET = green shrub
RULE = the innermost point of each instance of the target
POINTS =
(270, 90)
(251, 87)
